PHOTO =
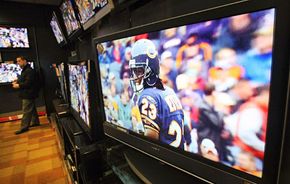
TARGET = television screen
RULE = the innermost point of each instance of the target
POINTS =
(13, 37)
(79, 92)
(90, 11)
(88, 8)
(201, 88)
(10, 71)
(56, 29)
(61, 90)
(70, 21)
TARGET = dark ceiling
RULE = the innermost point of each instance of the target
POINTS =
(45, 2)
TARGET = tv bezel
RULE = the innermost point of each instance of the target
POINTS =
(97, 16)
(64, 41)
(196, 165)
(28, 37)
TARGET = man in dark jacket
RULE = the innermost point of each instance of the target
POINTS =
(26, 83)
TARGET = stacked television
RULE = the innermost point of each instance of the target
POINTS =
(209, 115)
(11, 38)
(78, 15)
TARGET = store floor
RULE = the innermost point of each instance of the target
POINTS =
(31, 157)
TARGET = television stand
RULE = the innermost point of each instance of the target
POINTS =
(150, 170)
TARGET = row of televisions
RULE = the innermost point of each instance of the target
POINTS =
(77, 15)
(214, 119)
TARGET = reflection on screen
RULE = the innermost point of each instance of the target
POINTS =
(69, 17)
(88, 8)
(10, 71)
(78, 82)
(11, 37)
(212, 99)
(56, 29)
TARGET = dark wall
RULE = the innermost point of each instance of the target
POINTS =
(44, 50)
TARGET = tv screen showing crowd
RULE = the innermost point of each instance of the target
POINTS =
(202, 88)
(9, 71)
(70, 21)
(56, 29)
(12, 37)
(79, 94)
(87, 9)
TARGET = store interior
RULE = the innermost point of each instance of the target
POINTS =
(147, 91)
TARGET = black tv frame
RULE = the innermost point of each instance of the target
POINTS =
(193, 164)
(95, 130)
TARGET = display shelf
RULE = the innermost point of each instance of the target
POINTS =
(82, 157)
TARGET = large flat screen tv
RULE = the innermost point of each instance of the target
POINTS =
(69, 17)
(79, 91)
(13, 37)
(60, 38)
(194, 92)
(90, 11)
(9, 71)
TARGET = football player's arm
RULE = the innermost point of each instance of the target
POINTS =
(151, 133)
(149, 117)
(151, 128)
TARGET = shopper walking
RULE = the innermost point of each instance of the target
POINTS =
(27, 85)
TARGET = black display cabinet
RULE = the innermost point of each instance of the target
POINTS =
(82, 157)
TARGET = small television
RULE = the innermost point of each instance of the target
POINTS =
(92, 11)
(13, 37)
(69, 17)
(179, 90)
(82, 80)
(60, 38)
(61, 91)
(9, 71)
(79, 90)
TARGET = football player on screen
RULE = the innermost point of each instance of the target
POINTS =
(160, 109)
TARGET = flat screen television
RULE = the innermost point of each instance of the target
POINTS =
(9, 71)
(90, 11)
(193, 92)
(79, 91)
(62, 92)
(69, 17)
(60, 38)
(13, 37)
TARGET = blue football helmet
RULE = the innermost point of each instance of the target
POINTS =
(144, 65)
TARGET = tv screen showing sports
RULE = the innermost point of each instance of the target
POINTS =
(201, 88)
(90, 11)
(79, 92)
(56, 29)
(70, 21)
(62, 87)
(10, 71)
(13, 37)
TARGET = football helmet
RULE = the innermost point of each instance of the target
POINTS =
(144, 65)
